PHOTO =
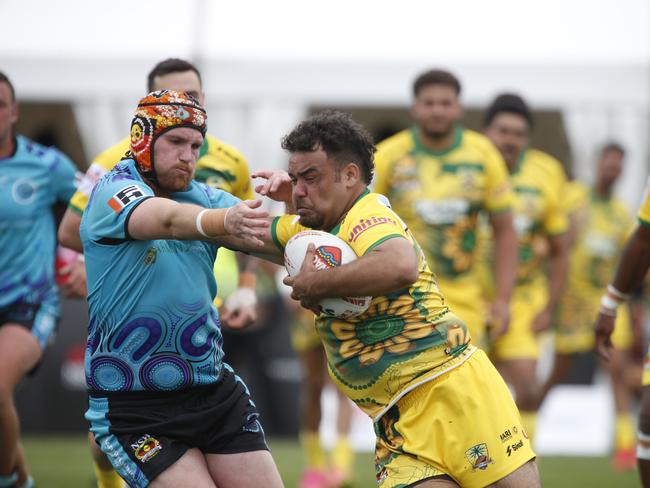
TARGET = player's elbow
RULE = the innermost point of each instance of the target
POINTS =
(406, 270)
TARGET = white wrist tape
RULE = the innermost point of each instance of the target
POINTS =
(199, 227)
(616, 294)
(608, 302)
(241, 298)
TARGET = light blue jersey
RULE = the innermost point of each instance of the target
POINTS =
(31, 180)
(152, 322)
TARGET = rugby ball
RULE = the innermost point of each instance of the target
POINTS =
(331, 251)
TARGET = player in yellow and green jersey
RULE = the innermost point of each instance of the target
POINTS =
(439, 177)
(632, 269)
(442, 414)
(601, 224)
(219, 165)
(541, 224)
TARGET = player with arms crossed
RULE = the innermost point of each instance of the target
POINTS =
(443, 416)
(163, 406)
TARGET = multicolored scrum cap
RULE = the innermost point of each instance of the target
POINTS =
(157, 113)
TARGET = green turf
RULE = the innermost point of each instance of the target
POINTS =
(64, 462)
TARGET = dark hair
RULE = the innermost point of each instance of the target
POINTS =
(436, 77)
(338, 135)
(171, 65)
(511, 103)
(5, 79)
(612, 146)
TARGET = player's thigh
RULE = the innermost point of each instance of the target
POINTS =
(191, 469)
(19, 353)
(244, 470)
(524, 476)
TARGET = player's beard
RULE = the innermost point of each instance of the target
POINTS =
(174, 181)
(438, 134)
(310, 218)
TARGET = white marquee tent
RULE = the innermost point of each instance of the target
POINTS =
(265, 63)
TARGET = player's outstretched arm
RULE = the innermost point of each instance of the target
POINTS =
(68, 233)
(632, 269)
(162, 218)
(391, 266)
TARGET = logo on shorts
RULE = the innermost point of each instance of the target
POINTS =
(478, 456)
(514, 447)
(505, 435)
(146, 447)
(252, 423)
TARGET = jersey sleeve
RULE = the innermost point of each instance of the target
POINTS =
(101, 165)
(370, 223)
(498, 197)
(284, 228)
(63, 173)
(110, 207)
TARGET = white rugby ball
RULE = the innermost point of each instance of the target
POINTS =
(331, 251)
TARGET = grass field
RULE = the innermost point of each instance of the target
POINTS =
(64, 462)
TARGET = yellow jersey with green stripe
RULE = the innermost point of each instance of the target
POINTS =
(219, 165)
(440, 194)
(405, 338)
(602, 226)
(538, 212)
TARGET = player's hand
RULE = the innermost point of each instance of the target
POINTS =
(240, 309)
(277, 186)
(603, 330)
(75, 282)
(247, 221)
(542, 322)
(303, 283)
(498, 319)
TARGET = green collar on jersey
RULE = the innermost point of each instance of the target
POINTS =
(458, 139)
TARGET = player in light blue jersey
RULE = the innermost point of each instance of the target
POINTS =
(32, 179)
(163, 406)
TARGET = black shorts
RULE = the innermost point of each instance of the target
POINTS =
(144, 433)
(39, 319)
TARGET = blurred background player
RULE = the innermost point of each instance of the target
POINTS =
(33, 179)
(438, 177)
(600, 226)
(538, 184)
(219, 166)
(632, 270)
(307, 344)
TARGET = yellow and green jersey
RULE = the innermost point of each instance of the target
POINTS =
(439, 194)
(538, 183)
(219, 165)
(405, 338)
(602, 226)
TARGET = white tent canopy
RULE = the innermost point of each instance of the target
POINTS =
(265, 62)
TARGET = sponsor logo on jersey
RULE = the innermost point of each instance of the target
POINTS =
(365, 224)
(125, 196)
(146, 447)
(514, 447)
(478, 456)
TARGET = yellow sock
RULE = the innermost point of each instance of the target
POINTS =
(107, 478)
(343, 455)
(311, 446)
(529, 421)
(624, 437)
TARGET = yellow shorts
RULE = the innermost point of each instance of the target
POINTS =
(574, 325)
(463, 424)
(520, 342)
(304, 336)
